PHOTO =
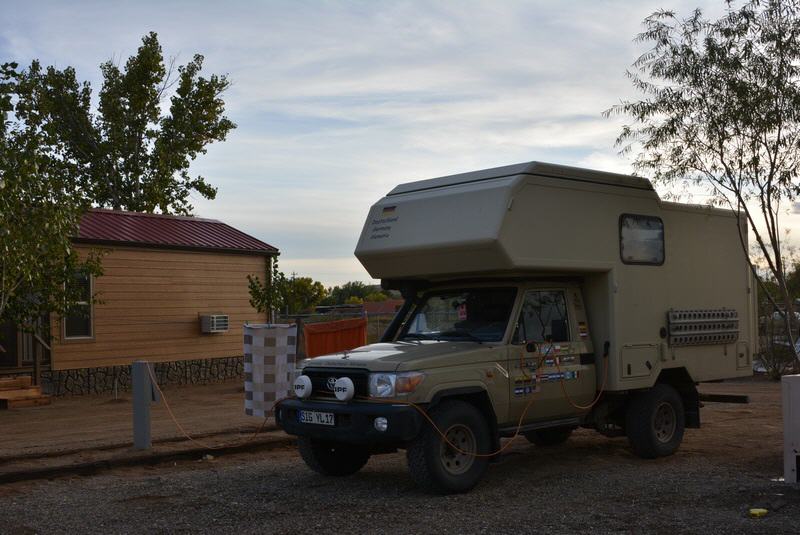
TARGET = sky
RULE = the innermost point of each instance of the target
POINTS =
(337, 102)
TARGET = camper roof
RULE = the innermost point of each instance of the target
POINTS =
(550, 170)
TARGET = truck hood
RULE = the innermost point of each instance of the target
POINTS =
(391, 356)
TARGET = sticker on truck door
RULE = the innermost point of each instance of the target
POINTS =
(583, 330)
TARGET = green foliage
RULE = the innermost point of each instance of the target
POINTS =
(792, 281)
(341, 295)
(130, 154)
(302, 294)
(267, 296)
(41, 202)
(721, 113)
(375, 297)
(288, 295)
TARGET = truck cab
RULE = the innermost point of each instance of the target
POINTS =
(510, 329)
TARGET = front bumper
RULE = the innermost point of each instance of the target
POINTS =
(354, 421)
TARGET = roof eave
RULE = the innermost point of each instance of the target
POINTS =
(170, 247)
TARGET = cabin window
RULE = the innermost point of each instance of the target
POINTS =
(641, 239)
(543, 317)
(78, 319)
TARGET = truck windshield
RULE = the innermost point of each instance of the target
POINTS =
(473, 314)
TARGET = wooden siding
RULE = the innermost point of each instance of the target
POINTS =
(150, 306)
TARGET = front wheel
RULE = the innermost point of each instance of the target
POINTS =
(655, 422)
(332, 458)
(450, 466)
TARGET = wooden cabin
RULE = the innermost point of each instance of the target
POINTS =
(173, 291)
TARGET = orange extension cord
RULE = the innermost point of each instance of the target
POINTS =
(524, 412)
(418, 408)
(191, 438)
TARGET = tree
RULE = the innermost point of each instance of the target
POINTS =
(267, 296)
(292, 295)
(302, 294)
(354, 292)
(375, 297)
(129, 153)
(41, 203)
(721, 113)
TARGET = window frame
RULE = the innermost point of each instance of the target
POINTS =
(663, 240)
(90, 304)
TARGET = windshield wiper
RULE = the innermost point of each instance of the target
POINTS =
(462, 334)
(416, 336)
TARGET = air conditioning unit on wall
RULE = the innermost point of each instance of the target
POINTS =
(791, 427)
(214, 323)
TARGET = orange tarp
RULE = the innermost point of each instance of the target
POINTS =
(334, 336)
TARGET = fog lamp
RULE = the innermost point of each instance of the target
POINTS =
(381, 424)
(302, 386)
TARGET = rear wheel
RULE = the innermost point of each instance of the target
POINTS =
(450, 466)
(552, 436)
(655, 422)
(332, 458)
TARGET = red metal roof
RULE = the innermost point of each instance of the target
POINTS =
(389, 306)
(116, 227)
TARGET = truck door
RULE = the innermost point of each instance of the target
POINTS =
(554, 321)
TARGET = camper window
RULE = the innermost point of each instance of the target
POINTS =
(543, 317)
(641, 239)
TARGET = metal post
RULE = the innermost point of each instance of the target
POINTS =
(37, 371)
(142, 397)
(790, 387)
(299, 340)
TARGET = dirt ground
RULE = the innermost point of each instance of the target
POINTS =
(80, 422)
(590, 485)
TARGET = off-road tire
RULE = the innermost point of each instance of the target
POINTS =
(552, 436)
(650, 416)
(332, 458)
(428, 453)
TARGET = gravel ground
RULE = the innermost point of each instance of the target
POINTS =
(590, 485)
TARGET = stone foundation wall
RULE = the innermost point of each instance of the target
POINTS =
(118, 378)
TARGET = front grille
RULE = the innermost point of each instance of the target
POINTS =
(320, 376)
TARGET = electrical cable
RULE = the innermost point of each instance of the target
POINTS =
(443, 435)
(197, 441)
(599, 394)
(418, 408)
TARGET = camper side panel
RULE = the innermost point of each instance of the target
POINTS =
(557, 227)
(707, 269)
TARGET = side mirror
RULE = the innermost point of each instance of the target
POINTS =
(531, 347)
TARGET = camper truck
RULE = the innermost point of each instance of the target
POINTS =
(539, 298)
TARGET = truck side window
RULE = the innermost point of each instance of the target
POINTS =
(641, 239)
(544, 316)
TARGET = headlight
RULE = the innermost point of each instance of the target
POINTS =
(386, 385)
(381, 385)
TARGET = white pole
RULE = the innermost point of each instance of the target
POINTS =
(790, 386)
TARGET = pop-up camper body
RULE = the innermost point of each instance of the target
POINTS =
(666, 284)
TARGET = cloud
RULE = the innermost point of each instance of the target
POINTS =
(337, 102)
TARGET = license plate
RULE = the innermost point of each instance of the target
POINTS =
(315, 417)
